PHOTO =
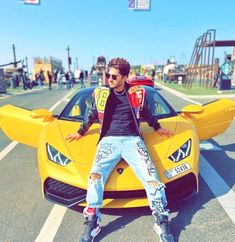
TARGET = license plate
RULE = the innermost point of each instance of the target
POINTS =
(177, 170)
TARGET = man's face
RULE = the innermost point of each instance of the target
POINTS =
(116, 80)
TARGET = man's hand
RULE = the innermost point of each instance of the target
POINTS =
(74, 136)
(165, 132)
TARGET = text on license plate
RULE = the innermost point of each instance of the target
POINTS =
(177, 170)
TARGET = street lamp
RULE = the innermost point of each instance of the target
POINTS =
(69, 58)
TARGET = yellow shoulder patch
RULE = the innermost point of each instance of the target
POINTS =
(101, 96)
(135, 89)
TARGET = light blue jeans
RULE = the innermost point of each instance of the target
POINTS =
(133, 150)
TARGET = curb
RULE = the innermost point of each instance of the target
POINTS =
(194, 96)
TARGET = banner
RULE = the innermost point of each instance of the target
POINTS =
(32, 2)
(142, 5)
(139, 4)
(131, 4)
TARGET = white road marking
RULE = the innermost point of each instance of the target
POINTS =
(56, 215)
(205, 145)
(52, 224)
(219, 187)
(55, 105)
(8, 149)
(223, 193)
(178, 94)
(59, 102)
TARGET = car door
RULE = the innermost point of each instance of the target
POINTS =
(212, 119)
(24, 125)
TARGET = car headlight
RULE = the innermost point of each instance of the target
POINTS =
(182, 152)
(55, 156)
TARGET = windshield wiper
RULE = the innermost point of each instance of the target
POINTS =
(71, 118)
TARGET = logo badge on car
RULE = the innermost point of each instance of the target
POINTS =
(120, 171)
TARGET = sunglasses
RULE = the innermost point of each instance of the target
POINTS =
(114, 77)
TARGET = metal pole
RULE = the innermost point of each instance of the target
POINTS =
(209, 72)
(190, 66)
(76, 63)
(14, 54)
(204, 61)
(27, 68)
(201, 64)
(68, 49)
(213, 53)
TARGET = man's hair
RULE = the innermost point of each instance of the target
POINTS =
(121, 64)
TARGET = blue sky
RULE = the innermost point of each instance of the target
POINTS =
(107, 27)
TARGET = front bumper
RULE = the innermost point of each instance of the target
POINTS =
(68, 195)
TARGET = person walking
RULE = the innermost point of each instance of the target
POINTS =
(119, 108)
(81, 77)
(68, 82)
(38, 81)
(49, 75)
(59, 80)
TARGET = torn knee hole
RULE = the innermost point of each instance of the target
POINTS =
(95, 176)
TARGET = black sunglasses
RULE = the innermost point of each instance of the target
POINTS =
(114, 77)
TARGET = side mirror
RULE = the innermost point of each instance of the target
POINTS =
(42, 113)
(192, 109)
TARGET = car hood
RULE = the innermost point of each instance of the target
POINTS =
(83, 151)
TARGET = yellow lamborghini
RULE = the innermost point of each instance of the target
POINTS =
(64, 167)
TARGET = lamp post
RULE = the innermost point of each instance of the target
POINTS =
(69, 58)
(14, 55)
(76, 63)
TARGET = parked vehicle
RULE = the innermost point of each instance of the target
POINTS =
(141, 80)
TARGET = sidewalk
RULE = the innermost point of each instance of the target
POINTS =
(219, 95)
(17, 91)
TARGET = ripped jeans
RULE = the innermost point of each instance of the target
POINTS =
(131, 148)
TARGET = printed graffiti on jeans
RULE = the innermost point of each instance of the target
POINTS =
(104, 151)
(145, 157)
(158, 205)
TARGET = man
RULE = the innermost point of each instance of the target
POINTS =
(119, 108)
(81, 78)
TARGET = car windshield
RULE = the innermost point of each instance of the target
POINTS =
(78, 107)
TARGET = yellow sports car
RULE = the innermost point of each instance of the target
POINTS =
(64, 167)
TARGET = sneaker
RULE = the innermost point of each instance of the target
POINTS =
(161, 227)
(92, 229)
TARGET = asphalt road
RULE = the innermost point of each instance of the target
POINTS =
(25, 216)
